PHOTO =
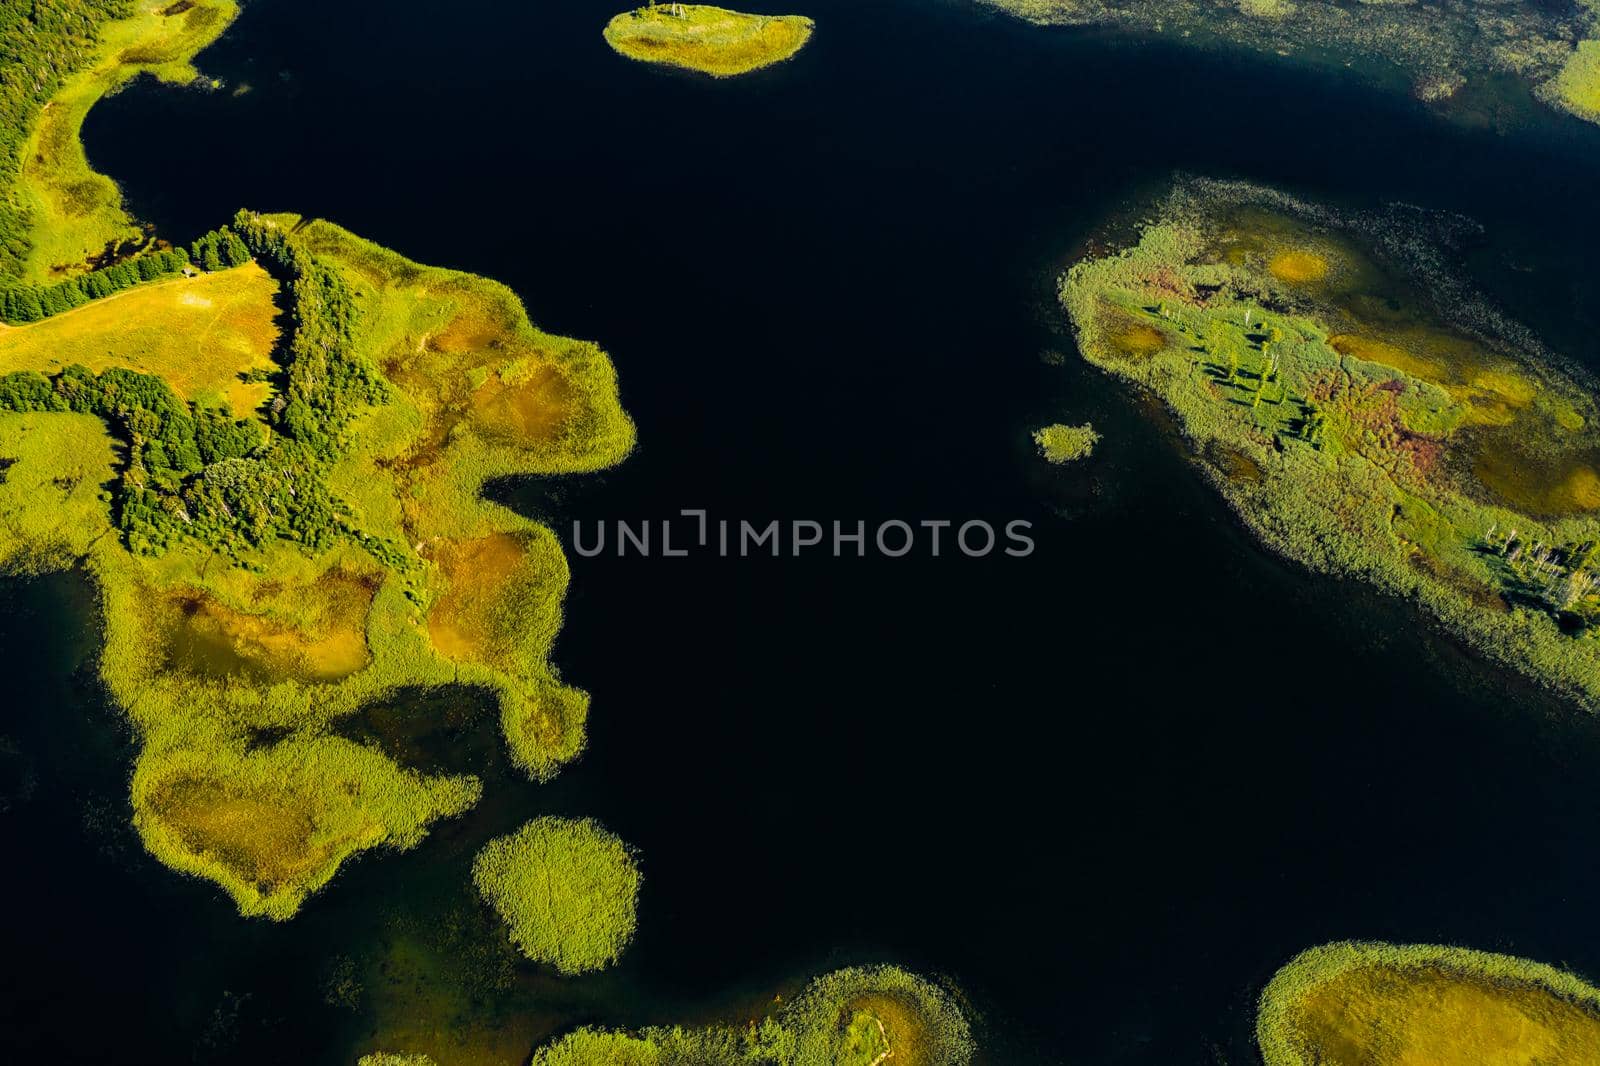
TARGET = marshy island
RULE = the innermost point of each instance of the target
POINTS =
(1366, 414)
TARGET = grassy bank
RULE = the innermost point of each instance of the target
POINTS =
(72, 213)
(1366, 1004)
(711, 40)
(1365, 415)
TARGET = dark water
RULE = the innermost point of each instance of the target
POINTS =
(1108, 789)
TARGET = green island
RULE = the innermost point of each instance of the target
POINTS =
(567, 889)
(863, 1016)
(711, 40)
(1553, 49)
(1065, 444)
(1365, 414)
(269, 452)
(1371, 1004)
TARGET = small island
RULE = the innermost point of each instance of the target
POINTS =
(1062, 444)
(711, 40)
(1366, 414)
(1371, 1004)
(567, 888)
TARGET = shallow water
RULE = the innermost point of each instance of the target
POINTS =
(1115, 784)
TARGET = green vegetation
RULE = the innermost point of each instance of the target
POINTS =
(384, 1058)
(1577, 87)
(855, 1017)
(41, 46)
(708, 39)
(1439, 46)
(567, 888)
(1064, 444)
(1367, 1004)
(59, 215)
(267, 576)
(1365, 415)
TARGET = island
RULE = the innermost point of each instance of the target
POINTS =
(1061, 444)
(1553, 49)
(710, 40)
(567, 889)
(1372, 1004)
(1365, 413)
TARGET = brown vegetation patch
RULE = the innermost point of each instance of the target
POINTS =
(264, 835)
(534, 408)
(1139, 339)
(1538, 484)
(211, 638)
(467, 621)
(1298, 266)
(1388, 1016)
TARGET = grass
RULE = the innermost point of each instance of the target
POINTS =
(201, 334)
(1064, 444)
(567, 889)
(1368, 1004)
(865, 1016)
(1365, 415)
(1577, 87)
(75, 212)
(711, 40)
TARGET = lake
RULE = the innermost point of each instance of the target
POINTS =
(1107, 789)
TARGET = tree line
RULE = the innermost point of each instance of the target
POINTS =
(200, 473)
(217, 250)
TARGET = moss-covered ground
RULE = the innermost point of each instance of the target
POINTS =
(711, 40)
(1365, 415)
(1365, 1004)
(75, 213)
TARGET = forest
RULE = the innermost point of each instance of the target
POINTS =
(201, 473)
